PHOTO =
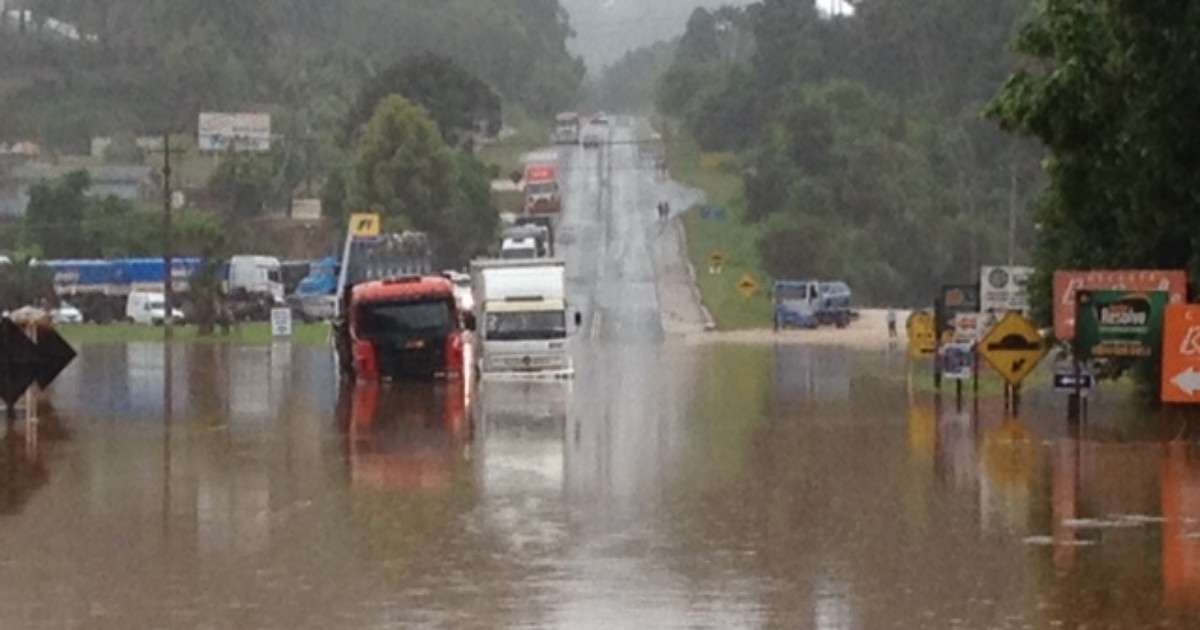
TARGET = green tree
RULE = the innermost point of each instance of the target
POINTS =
(54, 217)
(455, 99)
(403, 169)
(243, 184)
(1112, 97)
(23, 284)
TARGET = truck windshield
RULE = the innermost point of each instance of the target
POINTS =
(793, 292)
(542, 188)
(518, 253)
(405, 318)
(526, 325)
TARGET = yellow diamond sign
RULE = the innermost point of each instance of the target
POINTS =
(364, 225)
(748, 286)
(1013, 347)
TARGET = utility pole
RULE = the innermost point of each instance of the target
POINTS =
(1012, 212)
(168, 246)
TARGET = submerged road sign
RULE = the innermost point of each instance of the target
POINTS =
(922, 335)
(1181, 354)
(54, 354)
(18, 360)
(1013, 347)
(958, 361)
(23, 362)
(1119, 324)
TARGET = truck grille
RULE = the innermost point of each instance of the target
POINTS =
(397, 361)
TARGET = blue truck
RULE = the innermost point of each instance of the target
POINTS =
(100, 288)
(811, 303)
(383, 256)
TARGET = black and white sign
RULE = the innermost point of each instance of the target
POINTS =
(281, 322)
(1003, 289)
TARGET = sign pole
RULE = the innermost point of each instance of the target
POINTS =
(937, 344)
(168, 287)
(31, 419)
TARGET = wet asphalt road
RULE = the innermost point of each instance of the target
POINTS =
(667, 486)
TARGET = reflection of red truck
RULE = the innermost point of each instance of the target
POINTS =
(408, 436)
(541, 189)
(405, 327)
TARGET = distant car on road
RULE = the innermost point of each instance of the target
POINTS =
(66, 314)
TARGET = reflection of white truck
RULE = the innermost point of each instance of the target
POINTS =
(521, 318)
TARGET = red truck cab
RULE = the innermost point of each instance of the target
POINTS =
(405, 327)
(542, 195)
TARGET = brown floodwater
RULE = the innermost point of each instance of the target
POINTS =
(665, 487)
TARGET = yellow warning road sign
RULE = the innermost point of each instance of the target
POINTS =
(922, 339)
(716, 259)
(364, 225)
(1013, 347)
(748, 286)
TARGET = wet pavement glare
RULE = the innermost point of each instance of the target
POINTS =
(667, 486)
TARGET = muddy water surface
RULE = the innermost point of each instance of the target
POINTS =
(671, 487)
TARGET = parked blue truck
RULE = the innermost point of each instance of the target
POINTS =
(811, 303)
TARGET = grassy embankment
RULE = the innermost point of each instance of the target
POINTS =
(528, 134)
(718, 175)
(257, 334)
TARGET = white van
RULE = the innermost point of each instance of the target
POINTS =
(144, 307)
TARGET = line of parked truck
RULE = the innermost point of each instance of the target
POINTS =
(132, 289)
(507, 316)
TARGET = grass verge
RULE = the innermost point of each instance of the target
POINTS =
(717, 174)
(256, 334)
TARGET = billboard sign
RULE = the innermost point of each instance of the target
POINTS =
(1003, 289)
(1119, 324)
(954, 299)
(219, 132)
(1068, 282)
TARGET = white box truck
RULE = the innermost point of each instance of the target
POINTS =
(521, 318)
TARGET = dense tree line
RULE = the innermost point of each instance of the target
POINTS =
(150, 65)
(865, 152)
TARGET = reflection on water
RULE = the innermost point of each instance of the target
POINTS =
(698, 486)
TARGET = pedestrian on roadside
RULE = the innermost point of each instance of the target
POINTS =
(891, 322)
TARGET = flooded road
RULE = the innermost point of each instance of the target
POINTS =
(669, 485)
(673, 486)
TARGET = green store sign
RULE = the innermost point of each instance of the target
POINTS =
(1119, 324)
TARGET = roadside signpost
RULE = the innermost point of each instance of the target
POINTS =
(748, 286)
(1119, 324)
(28, 358)
(1073, 379)
(1181, 354)
(716, 262)
(922, 335)
(1013, 347)
(958, 361)
(1003, 289)
(1068, 282)
(281, 322)
(18, 362)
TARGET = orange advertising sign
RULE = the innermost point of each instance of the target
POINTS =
(1181, 354)
(1068, 282)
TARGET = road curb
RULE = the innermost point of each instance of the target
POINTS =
(709, 324)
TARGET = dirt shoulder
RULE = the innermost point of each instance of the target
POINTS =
(868, 332)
